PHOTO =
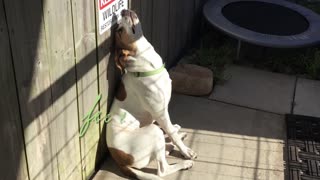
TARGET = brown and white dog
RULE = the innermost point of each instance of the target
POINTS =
(132, 138)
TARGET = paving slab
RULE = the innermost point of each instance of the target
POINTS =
(257, 89)
(307, 98)
(232, 142)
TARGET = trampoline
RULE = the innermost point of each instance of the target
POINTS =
(268, 23)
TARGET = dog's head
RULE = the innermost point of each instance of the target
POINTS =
(127, 33)
(129, 30)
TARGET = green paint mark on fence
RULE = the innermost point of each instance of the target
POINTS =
(91, 116)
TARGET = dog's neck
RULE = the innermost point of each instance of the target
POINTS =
(142, 45)
(146, 58)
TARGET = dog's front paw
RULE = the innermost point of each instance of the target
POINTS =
(189, 153)
(187, 164)
(177, 126)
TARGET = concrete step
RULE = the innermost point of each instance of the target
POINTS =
(307, 98)
(256, 89)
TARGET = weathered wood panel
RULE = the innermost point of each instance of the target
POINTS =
(108, 78)
(184, 20)
(197, 15)
(136, 6)
(175, 31)
(146, 18)
(58, 26)
(12, 151)
(190, 22)
(173, 38)
(87, 77)
(175, 24)
(32, 74)
(160, 27)
(198, 18)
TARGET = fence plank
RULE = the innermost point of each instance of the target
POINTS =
(146, 18)
(31, 67)
(190, 17)
(161, 28)
(85, 46)
(12, 152)
(198, 16)
(174, 31)
(199, 19)
(173, 38)
(58, 25)
(184, 24)
(198, 4)
(135, 5)
(108, 78)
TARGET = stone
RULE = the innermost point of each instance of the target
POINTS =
(191, 79)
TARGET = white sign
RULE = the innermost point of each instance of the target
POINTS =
(110, 12)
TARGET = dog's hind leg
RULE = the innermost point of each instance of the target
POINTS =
(165, 123)
(165, 169)
(139, 174)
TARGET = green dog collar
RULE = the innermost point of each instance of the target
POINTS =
(149, 73)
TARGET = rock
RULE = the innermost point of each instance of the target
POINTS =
(188, 59)
(191, 79)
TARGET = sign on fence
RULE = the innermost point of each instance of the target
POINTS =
(109, 13)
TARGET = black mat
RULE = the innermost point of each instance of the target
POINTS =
(303, 148)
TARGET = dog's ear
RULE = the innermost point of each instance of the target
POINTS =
(117, 57)
(118, 37)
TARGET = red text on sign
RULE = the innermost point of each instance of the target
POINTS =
(104, 3)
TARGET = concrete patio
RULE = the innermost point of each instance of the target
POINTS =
(239, 130)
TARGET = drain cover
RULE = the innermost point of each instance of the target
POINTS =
(303, 148)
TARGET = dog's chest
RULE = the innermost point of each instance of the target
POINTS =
(152, 94)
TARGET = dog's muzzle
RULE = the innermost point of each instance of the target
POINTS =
(125, 12)
(131, 15)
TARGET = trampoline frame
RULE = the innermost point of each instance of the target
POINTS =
(212, 11)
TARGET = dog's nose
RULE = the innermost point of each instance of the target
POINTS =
(125, 12)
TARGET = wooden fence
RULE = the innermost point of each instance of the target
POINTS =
(53, 64)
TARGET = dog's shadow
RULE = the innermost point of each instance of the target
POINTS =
(176, 154)
(111, 167)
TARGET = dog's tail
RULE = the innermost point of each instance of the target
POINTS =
(132, 172)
